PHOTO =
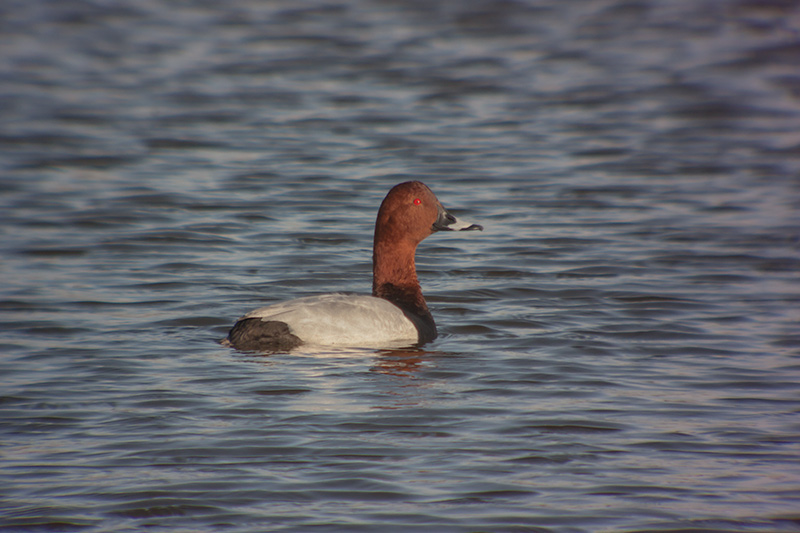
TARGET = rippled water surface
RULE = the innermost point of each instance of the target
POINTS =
(619, 349)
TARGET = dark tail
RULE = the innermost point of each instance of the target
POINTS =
(256, 335)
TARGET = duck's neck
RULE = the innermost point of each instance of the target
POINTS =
(394, 277)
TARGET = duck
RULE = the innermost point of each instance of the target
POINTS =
(394, 315)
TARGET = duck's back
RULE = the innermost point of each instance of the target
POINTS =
(330, 320)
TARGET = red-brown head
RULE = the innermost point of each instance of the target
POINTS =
(410, 212)
(407, 214)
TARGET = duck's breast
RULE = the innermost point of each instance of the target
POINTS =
(343, 320)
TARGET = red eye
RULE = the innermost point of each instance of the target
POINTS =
(417, 201)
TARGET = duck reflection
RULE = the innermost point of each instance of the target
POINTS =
(402, 362)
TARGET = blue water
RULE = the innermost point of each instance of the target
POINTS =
(619, 350)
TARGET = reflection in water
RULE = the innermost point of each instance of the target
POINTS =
(304, 376)
(404, 362)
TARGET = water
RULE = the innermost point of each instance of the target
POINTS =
(618, 351)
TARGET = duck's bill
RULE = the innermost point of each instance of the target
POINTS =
(460, 225)
(466, 226)
(447, 222)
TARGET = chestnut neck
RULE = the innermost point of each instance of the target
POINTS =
(394, 275)
(394, 278)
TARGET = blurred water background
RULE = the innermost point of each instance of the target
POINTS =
(619, 350)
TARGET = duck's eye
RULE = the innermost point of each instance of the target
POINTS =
(417, 201)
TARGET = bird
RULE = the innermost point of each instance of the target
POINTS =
(394, 315)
